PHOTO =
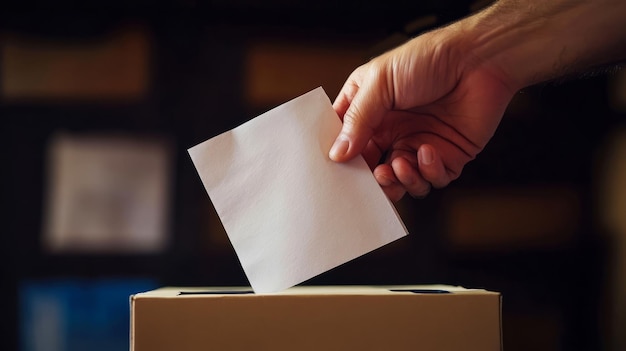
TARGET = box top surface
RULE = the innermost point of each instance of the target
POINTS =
(183, 292)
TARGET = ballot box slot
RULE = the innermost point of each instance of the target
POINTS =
(421, 291)
(217, 292)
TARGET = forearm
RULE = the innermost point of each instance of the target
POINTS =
(526, 42)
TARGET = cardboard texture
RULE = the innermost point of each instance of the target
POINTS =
(433, 318)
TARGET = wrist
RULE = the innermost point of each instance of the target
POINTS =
(526, 43)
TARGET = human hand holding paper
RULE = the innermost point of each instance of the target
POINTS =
(290, 212)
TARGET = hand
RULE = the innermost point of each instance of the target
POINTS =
(428, 106)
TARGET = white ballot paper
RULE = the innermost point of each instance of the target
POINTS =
(289, 211)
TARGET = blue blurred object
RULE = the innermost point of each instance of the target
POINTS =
(77, 314)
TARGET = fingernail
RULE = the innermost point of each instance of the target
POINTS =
(340, 147)
(425, 155)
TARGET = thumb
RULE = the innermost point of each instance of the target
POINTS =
(362, 118)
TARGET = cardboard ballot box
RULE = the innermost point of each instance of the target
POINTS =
(432, 318)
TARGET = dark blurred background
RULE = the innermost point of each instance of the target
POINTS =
(100, 200)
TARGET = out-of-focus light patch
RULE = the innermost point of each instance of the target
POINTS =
(511, 218)
(612, 212)
(77, 315)
(276, 71)
(613, 183)
(111, 68)
(107, 193)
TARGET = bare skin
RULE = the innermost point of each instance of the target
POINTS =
(432, 104)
